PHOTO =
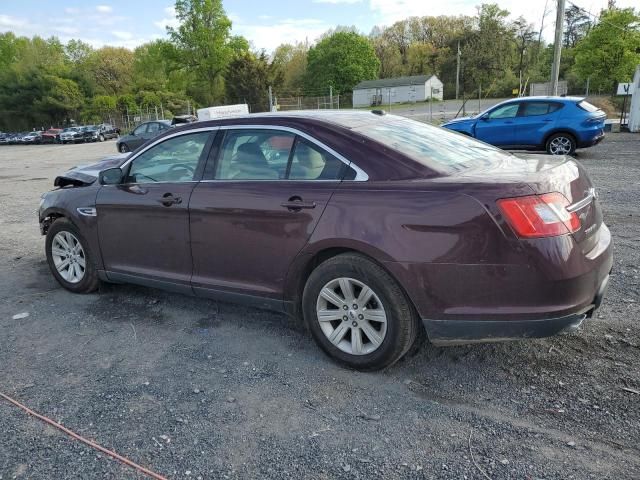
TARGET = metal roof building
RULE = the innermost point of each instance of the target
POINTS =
(417, 88)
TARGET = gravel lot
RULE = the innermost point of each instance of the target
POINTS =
(195, 389)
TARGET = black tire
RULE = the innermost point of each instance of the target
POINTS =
(123, 148)
(89, 282)
(564, 138)
(402, 321)
(101, 138)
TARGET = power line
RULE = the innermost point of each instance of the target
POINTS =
(597, 18)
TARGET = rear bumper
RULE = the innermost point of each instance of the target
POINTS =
(594, 140)
(458, 332)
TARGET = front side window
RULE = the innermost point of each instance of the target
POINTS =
(254, 155)
(506, 111)
(140, 130)
(174, 160)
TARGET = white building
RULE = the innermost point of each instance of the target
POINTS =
(417, 88)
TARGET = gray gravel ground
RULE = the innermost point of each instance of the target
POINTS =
(195, 389)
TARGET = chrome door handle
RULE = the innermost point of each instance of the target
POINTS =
(168, 199)
(297, 205)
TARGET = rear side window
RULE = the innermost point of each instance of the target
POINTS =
(586, 106)
(532, 109)
(254, 155)
(437, 148)
(309, 162)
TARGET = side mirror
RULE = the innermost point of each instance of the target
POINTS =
(484, 117)
(111, 176)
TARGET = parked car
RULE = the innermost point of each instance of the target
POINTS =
(72, 135)
(107, 131)
(368, 226)
(32, 138)
(4, 137)
(558, 125)
(141, 134)
(90, 133)
(52, 135)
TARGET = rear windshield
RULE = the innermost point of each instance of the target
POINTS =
(437, 148)
(587, 106)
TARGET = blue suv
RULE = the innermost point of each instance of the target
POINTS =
(558, 125)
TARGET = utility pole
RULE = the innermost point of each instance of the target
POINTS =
(557, 48)
(587, 92)
(270, 99)
(458, 72)
(330, 96)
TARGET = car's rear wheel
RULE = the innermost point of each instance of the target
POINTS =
(123, 148)
(358, 313)
(561, 144)
(69, 257)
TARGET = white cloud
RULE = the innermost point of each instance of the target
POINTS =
(337, 1)
(104, 9)
(10, 22)
(120, 35)
(66, 30)
(271, 34)
(170, 19)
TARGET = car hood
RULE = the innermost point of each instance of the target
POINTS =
(84, 175)
(459, 121)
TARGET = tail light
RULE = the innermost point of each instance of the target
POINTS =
(538, 216)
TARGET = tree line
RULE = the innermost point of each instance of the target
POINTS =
(200, 63)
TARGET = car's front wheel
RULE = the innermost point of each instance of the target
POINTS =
(561, 144)
(358, 313)
(101, 138)
(69, 257)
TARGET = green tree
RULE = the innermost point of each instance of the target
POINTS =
(290, 62)
(341, 60)
(611, 50)
(204, 44)
(576, 26)
(112, 69)
(247, 81)
(488, 50)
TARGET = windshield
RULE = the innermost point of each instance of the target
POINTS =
(437, 148)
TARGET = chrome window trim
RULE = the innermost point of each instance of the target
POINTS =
(361, 175)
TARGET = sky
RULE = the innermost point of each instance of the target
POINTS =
(266, 24)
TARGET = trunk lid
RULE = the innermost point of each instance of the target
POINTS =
(546, 174)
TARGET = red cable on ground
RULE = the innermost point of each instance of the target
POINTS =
(126, 461)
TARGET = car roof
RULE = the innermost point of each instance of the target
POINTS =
(547, 98)
(342, 118)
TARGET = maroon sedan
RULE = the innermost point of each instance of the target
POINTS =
(373, 228)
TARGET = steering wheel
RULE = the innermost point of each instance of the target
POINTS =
(182, 165)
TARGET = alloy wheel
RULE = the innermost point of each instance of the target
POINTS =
(560, 146)
(351, 316)
(68, 256)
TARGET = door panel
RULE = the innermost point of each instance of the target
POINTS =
(534, 121)
(498, 127)
(245, 234)
(144, 230)
(143, 224)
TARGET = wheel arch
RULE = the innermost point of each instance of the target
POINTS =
(564, 130)
(305, 264)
